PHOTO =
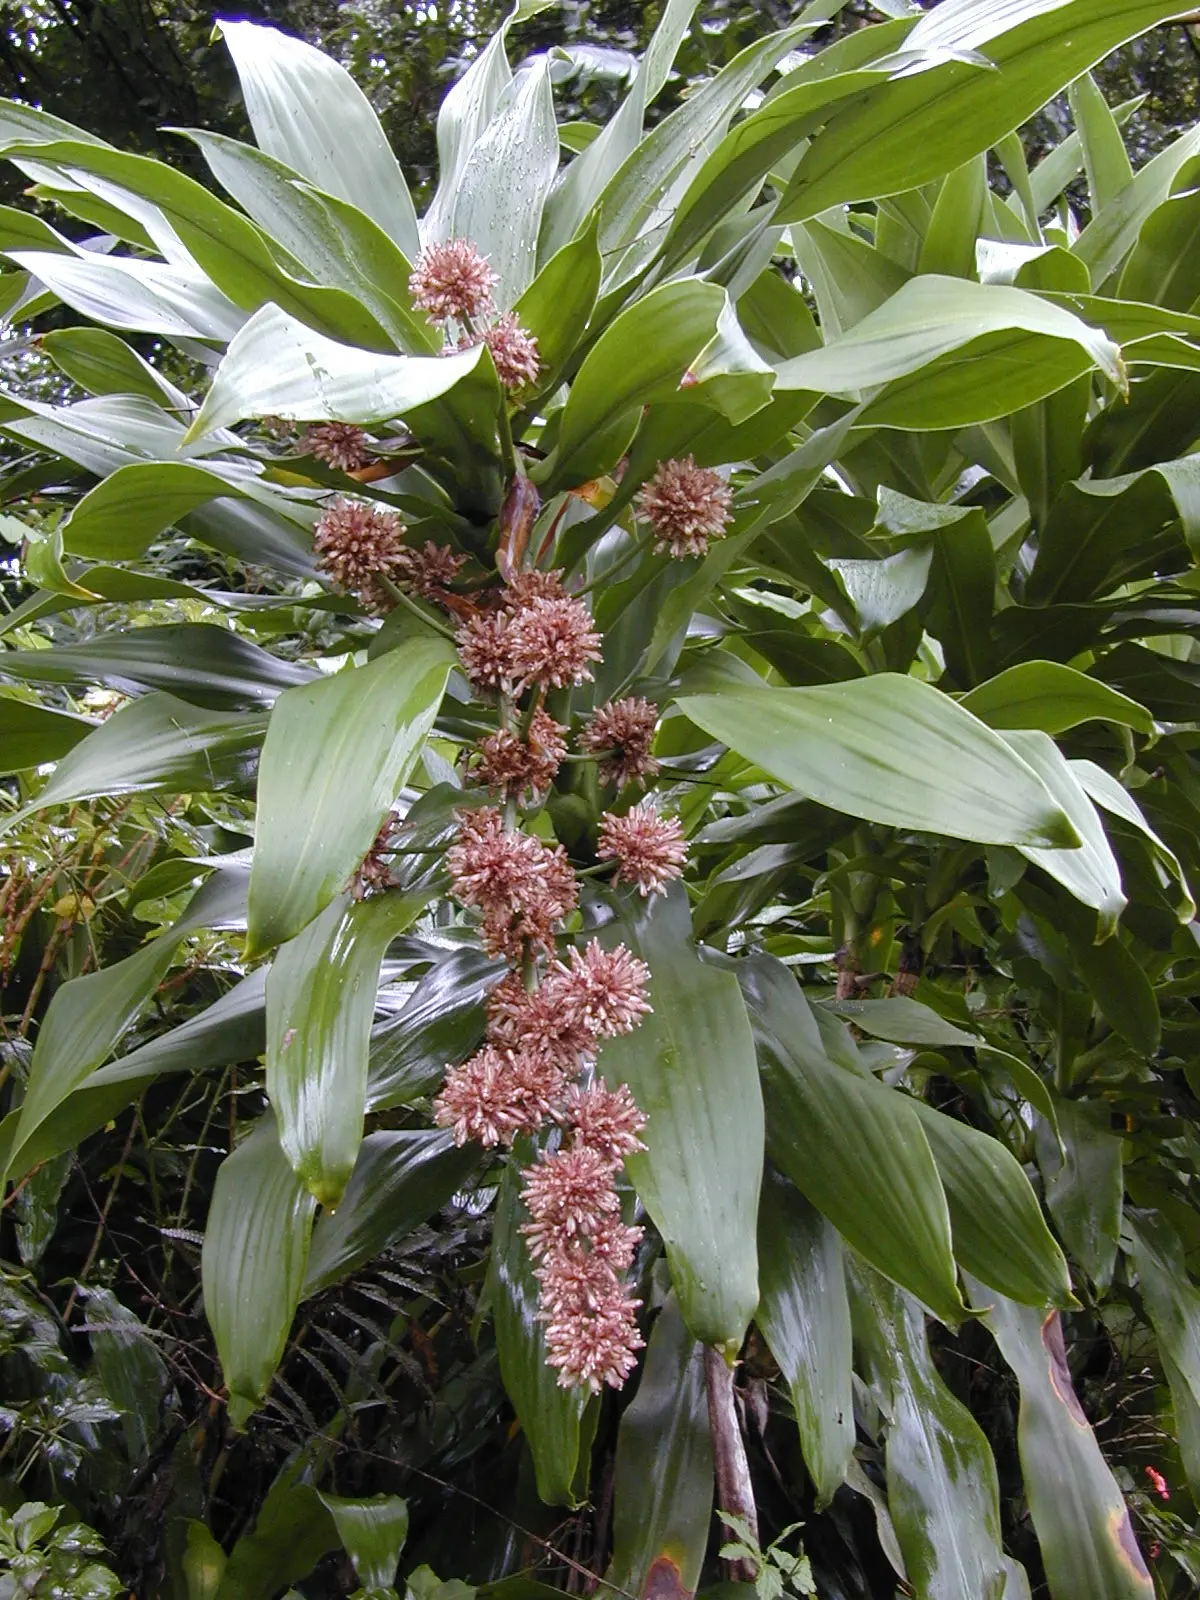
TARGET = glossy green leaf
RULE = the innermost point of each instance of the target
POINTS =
(122, 515)
(641, 356)
(442, 1020)
(945, 352)
(400, 1180)
(159, 744)
(253, 1263)
(335, 755)
(1106, 161)
(1113, 797)
(320, 1001)
(558, 1423)
(1053, 698)
(291, 1532)
(200, 663)
(804, 1315)
(663, 1483)
(101, 363)
(133, 1374)
(921, 124)
(854, 1148)
(1113, 232)
(372, 1531)
(700, 1174)
(1172, 1303)
(942, 1486)
(999, 1232)
(1084, 1183)
(276, 366)
(31, 734)
(307, 111)
(892, 750)
(1079, 1515)
(1091, 872)
(558, 303)
(135, 295)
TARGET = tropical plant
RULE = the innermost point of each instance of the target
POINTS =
(680, 662)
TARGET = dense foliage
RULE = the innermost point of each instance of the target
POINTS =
(602, 827)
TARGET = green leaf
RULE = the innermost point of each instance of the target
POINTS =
(558, 303)
(291, 1533)
(1053, 698)
(442, 1020)
(1172, 1303)
(372, 1531)
(159, 744)
(1105, 159)
(202, 664)
(336, 753)
(946, 352)
(135, 295)
(942, 1486)
(126, 512)
(893, 750)
(307, 111)
(253, 1264)
(276, 366)
(558, 1423)
(804, 1316)
(920, 124)
(1091, 872)
(400, 1180)
(663, 1481)
(32, 734)
(854, 1148)
(1082, 1524)
(1113, 232)
(43, 562)
(641, 356)
(999, 1233)
(504, 181)
(132, 1373)
(700, 1174)
(1161, 269)
(1084, 1183)
(103, 364)
(320, 1001)
(1107, 792)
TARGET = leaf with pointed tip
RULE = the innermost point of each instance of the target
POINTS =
(893, 750)
(663, 1479)
(700, 1173)
(1080, 1517)
(336, 753)
(320, 1001)
(253, 1263)
(804, 1316)
(372, 1531)
(308, 111)
(1053, 698)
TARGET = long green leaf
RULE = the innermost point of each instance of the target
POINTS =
(691, 1068)
(308, 111)
(663, 1481)
(1172, 1303)
(890, 749)
(1081, 1168)
(804, 1316)
(1083, 1526)
(320, 1000)
(373, 1531)
(31, 734)
(335, 755)
(1053, 698)
(854, 1148)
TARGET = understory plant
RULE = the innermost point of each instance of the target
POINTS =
(602, 830)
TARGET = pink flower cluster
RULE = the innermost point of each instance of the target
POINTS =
(358, 545)
(338, 444)
(522, 888)
(539, 1040)
(452, 282)
(686, 506)
(622, 732)
(540, 635)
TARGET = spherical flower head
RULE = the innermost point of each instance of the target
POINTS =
(526, 587)
(356, 544)
(514, 765)
(569, 1195)
(604, 1119)
(431, 571)
(554, 643)
(602, 990)
(591, 1328)
(452, 280)
(487, 649)
(623, 730)
(686, 506)
(338, 444)
(477, 1100)
(530, 1019)
(374, 872)
(514, 351)
(522, 887)
(649, 850)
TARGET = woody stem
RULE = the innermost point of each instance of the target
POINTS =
(735, 1492)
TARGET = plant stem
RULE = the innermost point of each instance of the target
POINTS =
(735, 1492)
(394, 592)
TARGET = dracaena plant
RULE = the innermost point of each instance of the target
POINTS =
(705, 618)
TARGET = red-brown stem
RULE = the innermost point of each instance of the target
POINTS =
(735, 1492)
